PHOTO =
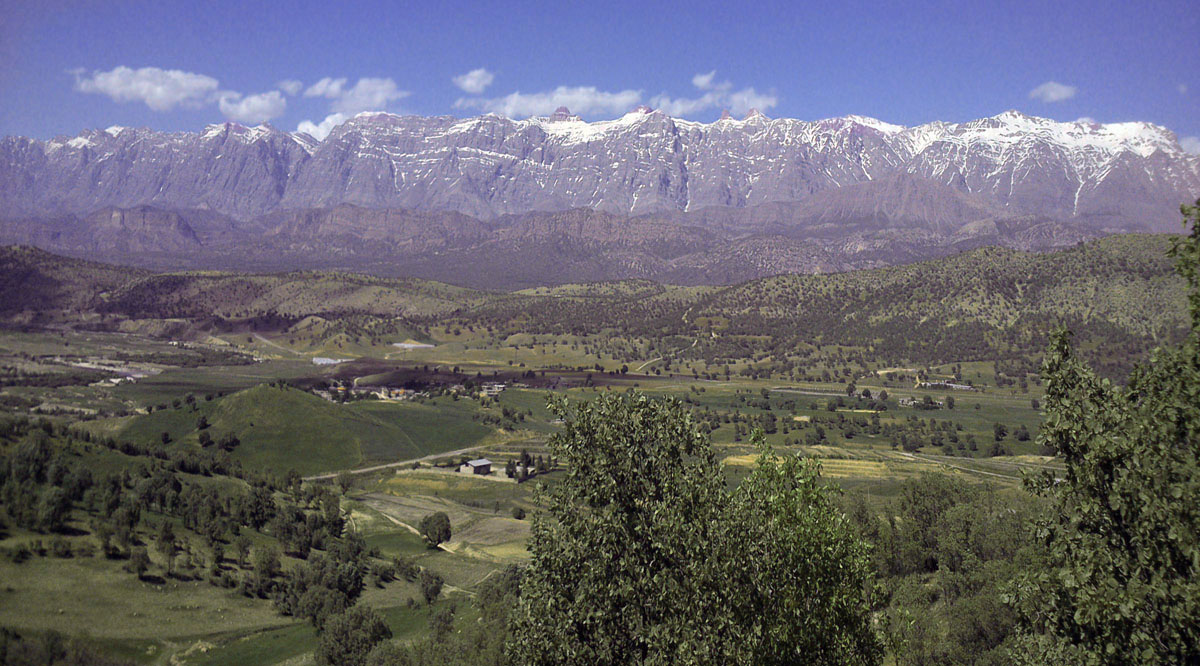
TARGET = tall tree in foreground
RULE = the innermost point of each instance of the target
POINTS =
(1124, 543)
(642, 557)
(798, 577)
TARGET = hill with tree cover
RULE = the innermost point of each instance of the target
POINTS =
(1118, 293)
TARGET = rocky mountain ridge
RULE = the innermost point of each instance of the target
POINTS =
(493, 202)
(1107, 176)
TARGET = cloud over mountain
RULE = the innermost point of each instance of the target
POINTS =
(1053, 91)
(474, 81)
(159, 89)
(584, 100)
(716, 95)
(253, 109)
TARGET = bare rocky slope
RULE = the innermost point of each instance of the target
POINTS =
(491, 201)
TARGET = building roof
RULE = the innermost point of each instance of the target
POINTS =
(479, 462)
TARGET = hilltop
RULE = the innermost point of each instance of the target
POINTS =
(1120, 292)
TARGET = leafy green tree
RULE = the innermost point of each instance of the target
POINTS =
(431, 586)
(796, 570)
(139, 561)
(259, 507)
(435, 528)
(350, 636)
(241, 548)
(54, 506)
(999, 432)
(1123, 585)
(166, 545)
(441, 622)
(642, 486)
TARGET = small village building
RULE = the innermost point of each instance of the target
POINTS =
(480, 466)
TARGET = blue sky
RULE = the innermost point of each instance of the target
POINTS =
(69, 65)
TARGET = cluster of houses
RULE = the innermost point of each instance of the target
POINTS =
(913, 402)
(339, 393)
(946, 385)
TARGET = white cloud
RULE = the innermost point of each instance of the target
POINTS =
(1053, 91)
(742, 101)
(584, 100)
(1087, 120)
(474, 81)
(290, 86)
(326, 87)
(716, 95)
(704, 81)
(321, 130)
(159, 89)
(369, 95)
(683, 107)
(1191, 144)
(253, 109)
(1182, 88)
(366, 95)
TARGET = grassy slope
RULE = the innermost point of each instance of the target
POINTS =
(290, 429)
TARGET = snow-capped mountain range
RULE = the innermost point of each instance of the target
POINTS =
(646, 162)
(643, 195)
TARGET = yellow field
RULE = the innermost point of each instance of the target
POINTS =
(882, 466)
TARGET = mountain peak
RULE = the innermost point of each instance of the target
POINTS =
(563, 114)
(875, 124)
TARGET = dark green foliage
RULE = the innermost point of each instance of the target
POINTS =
(53, 508)
(166, 546)
(945, 548)
(642, 486)
(1123, 583)
(139, 561)
(796, 572)
(327, 583)
(435, 529)
(50, 649)
(349, 636)
(479, 643)
(441, 622)
(923, 502)
(431, 585)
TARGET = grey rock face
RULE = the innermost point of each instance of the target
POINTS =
(234, 170)
(1116, 176)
